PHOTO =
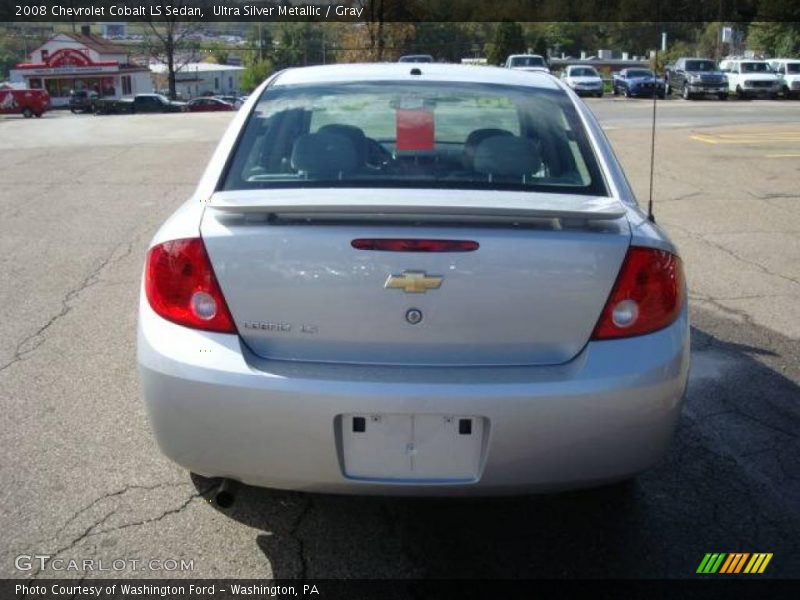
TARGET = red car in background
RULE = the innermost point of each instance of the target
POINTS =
(209, 105)
(30, 103)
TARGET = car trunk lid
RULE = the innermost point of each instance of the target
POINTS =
(530, 293)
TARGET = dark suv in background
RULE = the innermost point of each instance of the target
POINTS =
(694, 77)
(82, 101)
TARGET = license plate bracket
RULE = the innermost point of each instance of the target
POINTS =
(424, 448)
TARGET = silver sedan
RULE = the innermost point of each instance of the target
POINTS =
(413, 279)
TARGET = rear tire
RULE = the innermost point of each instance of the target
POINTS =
(27, 112)
(685, 92)
(38, 115)
(722, 96)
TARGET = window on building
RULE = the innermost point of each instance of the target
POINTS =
(126, 85)
(216, 83)
(45, 55)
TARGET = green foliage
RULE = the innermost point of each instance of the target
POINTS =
(217, 53)
(508, 39)
(11, 52)
(774, 38)
(444, 41)
(255, 73)
(300, 44)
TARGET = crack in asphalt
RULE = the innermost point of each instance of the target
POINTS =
(294, 534)
(74, 542)
(93, 530)
(701, 237)
(745, 316)
(119, 492)
(21, 352)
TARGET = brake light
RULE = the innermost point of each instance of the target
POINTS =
(181, 287)
(414, 245)
(647, 295)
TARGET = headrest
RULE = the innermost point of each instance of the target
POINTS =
(507, 156)
(352, 133)
(324, 154)
(473, 141)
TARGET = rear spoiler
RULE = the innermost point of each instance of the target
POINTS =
(402, 204)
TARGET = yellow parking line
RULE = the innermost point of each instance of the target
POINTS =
(754, 141)
(703, 138)
(782, 155)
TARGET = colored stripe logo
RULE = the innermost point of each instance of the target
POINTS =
(734, 563)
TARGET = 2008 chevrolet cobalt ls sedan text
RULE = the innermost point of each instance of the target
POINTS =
(426, 279)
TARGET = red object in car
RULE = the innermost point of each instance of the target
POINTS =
(415, 130)
(209, 105)
(28, 102)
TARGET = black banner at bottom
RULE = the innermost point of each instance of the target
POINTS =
(354, 589)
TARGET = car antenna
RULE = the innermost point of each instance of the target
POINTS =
(650, 216)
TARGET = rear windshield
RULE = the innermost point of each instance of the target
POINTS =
(527, 61)
(417, 135)
(640, 73)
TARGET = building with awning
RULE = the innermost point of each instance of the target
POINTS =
(72, 61)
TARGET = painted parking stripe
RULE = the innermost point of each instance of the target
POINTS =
(747, 139)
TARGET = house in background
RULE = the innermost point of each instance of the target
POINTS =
(199, 79)
(71, 61)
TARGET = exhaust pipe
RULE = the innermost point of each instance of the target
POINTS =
(225, 494)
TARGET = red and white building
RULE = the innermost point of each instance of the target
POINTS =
(71, 61)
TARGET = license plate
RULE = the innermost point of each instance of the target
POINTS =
(445, 448)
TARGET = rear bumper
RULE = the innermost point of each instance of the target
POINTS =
(219, 411)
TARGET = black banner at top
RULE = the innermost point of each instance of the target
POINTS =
(399, 10)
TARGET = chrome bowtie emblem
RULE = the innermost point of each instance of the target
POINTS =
(413, 282)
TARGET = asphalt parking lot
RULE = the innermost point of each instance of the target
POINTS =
(82, 478)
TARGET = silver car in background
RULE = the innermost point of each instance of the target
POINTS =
(413, 279)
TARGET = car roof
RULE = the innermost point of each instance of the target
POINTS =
(345, 73)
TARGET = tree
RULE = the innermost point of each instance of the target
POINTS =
(12, 51)
(773, 38)
(170, 42)
(218, 53)
(508, 39)
(255, 73)
(358, 42)
(299, 44)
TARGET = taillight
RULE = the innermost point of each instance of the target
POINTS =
(181, 287)
(647, 296)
